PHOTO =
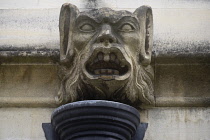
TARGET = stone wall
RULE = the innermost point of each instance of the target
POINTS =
(29, 56)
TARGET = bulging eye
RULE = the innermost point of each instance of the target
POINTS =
(127, 27)
(87, 28)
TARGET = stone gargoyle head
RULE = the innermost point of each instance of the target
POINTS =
(106, 55)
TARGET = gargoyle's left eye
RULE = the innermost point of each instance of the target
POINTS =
(87, 28)
(127, 27)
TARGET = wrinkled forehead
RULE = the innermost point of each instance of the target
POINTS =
(106, 15)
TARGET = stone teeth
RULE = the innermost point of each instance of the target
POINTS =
(103, 71)
(106, 58)
(106, 72)
(97, 72)
(109, 71)
(100, 56)
(116, 72)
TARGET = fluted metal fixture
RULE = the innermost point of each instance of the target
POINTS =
(95, 120)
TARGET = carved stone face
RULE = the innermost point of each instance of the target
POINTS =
(105, 54)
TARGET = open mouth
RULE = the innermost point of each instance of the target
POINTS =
(107, 65)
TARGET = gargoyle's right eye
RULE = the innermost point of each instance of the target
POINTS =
(87, 28)
(127, 27)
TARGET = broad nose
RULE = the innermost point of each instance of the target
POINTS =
(106, 36)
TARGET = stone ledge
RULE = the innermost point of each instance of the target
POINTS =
(45, 55)
(50, 102)
(36, 84)
(27, 102)
(182, 102)
(28, 55)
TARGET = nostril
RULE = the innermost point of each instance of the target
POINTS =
(101, 40)
(106, 39)
(110, 41)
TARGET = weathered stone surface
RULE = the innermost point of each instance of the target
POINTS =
(123, 4)
(28, 85)
(178, 124)
(27, 56)
(182, 84)
(164, 123)
(23, 123)
(106, 54)
(181, 38)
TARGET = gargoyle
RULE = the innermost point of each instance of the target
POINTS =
(106, 55)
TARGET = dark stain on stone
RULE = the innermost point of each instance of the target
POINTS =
(91, 4)
(28, 55)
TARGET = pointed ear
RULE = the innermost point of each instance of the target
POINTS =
(67, 19)
(145, 17)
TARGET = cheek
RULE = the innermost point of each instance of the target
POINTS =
(132, 43)
(80, 41)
